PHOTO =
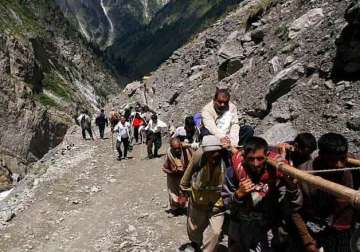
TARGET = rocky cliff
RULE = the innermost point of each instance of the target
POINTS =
(136, 36)
(290, 65)
(104, 21)
(47, 73)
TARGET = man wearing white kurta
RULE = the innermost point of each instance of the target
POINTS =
(221, 119)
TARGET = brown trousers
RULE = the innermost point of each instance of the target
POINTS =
(204, 227)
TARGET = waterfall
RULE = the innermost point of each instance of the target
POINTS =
(111, 31)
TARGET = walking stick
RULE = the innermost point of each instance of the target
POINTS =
(330, 187)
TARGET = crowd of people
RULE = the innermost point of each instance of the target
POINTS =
(218, 175)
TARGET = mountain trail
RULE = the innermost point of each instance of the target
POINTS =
(89, 201)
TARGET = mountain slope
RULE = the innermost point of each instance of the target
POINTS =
(47, 74)
(137, 36)
(171, 27)
(104, 21)
(289, 64)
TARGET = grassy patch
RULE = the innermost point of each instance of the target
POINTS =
(282, 31)
(46, 100)
(56, 85)
(17, 18)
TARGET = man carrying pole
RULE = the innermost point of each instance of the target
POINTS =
(328, 218)
(258, 197)
(329, 200)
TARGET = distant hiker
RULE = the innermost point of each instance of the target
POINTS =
(258, 197)
(138, 107)
(190, 130)
(203, 179)
(146, 116)
(147, 113)
(153, 137)
(123, 137)
(220, 117)
(101, 121)
(177, 159)
(171, 129)
(127, 112)
(328, 218)
(136, 123)
(85, 123)
(114, 118)
(298, 151)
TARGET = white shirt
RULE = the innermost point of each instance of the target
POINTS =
(123, 130)
(224, 122)
(156, 127)
(180, 131)
(85, 121)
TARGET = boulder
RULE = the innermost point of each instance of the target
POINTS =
(280, 133)
(231, 48)
(257, 35)
(132, 88)
(229, 67)
(354, 123)
(310, 19)
(211, 43)
(276, 65)
(284, 81)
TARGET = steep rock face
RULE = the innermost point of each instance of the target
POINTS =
(137, 36)
(173, 25)
(103, 21)
(47, 74)
(274, 75)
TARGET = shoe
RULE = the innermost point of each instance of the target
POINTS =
(126, 158)
(175, 212)
(118, 158)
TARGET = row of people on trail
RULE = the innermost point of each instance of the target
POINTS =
(228, 178)
(142, 124)
(84, 120)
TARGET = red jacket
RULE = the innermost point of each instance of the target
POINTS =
(137, 122)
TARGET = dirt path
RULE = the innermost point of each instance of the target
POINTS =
(88, 201)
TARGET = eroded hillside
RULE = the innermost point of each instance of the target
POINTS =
(287, 63)
(47, 74)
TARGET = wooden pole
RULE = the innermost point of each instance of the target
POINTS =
(353, 162)
(335, 189)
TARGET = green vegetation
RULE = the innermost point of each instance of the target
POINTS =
(282, 31)
(143, 51)
(46, 100)
(54, 83)
(17, 18)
